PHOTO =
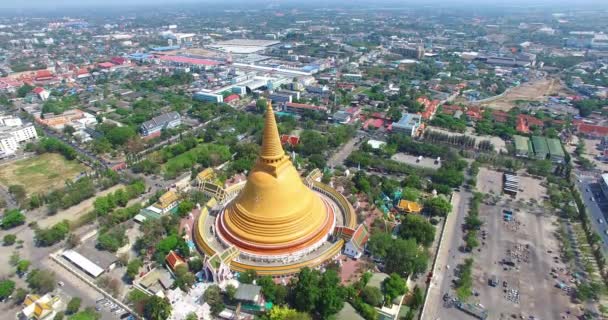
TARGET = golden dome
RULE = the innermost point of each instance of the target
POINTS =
(275, 213)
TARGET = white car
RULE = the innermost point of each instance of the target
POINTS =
(600, 220)
(60, 283)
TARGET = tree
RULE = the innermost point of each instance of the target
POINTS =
(268, 287)
(133, 268)
(437, 206)
(59, 315)
(247, 276)
(195, 264)
(230, 292)
(372, 296)
(379, 243)
(417, 298)
(22, 266)
(405, 257)
(280, 294)
(411, 194)
(306, 291)
(9, 239)
(184, 279)
(19, 295)
(213, 297)
(185, 207)
(191, 316)
(6, 288)
(24, 90)
(12, 218)
(261, 104)
(15, 258)
(73, 305)
(418, 228)
(41, 281)
(18, 191)
(331, 300)
(157, 308)
(69, 130)
(394, 286)
(87, 314)
(284, 313)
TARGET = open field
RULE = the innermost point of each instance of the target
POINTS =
(531, 91)
(41, 173)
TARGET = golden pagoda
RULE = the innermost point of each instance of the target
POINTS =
(275, 213)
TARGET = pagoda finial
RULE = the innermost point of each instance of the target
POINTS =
(271, 142)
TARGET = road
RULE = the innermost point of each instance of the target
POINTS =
(338, 158)
(448, 255)
(589, 188)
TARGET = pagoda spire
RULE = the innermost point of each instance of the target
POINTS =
(272, 150)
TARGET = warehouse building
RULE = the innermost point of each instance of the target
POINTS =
(556, 152)
(541, 149)
(523, 146)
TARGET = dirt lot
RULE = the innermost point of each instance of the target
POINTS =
(490, 181)
(531, 91)
(528, 288)
(40, 173)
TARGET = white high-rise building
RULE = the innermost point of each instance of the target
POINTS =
(13, 133)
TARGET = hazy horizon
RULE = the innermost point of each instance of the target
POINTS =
(117, 4)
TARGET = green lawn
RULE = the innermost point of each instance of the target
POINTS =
(41, 173)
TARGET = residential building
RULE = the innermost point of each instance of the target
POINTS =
(208, 97)
(603, 182)
(414, 52)
(42, 93)
(39, 308)
(280, 98)
(342, 116)
(408, 124)
(13, 133)
(300, 108)
(250, 296)
(154, 126)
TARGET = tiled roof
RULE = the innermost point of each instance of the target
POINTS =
(174, 260)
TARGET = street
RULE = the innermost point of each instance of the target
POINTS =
(589, 189)
(448, 255)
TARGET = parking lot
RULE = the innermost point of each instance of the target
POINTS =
(110, 307)
(522, 255)
(490, 181)
(424, 162)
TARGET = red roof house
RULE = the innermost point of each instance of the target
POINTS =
(119, 60)
(105, 65)
(173, 260)
(474, 113)
(430, 107)
(592, 130)
(500, 116)
(450, 109)
(42, 75)
(232, 97)
(289, 139)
